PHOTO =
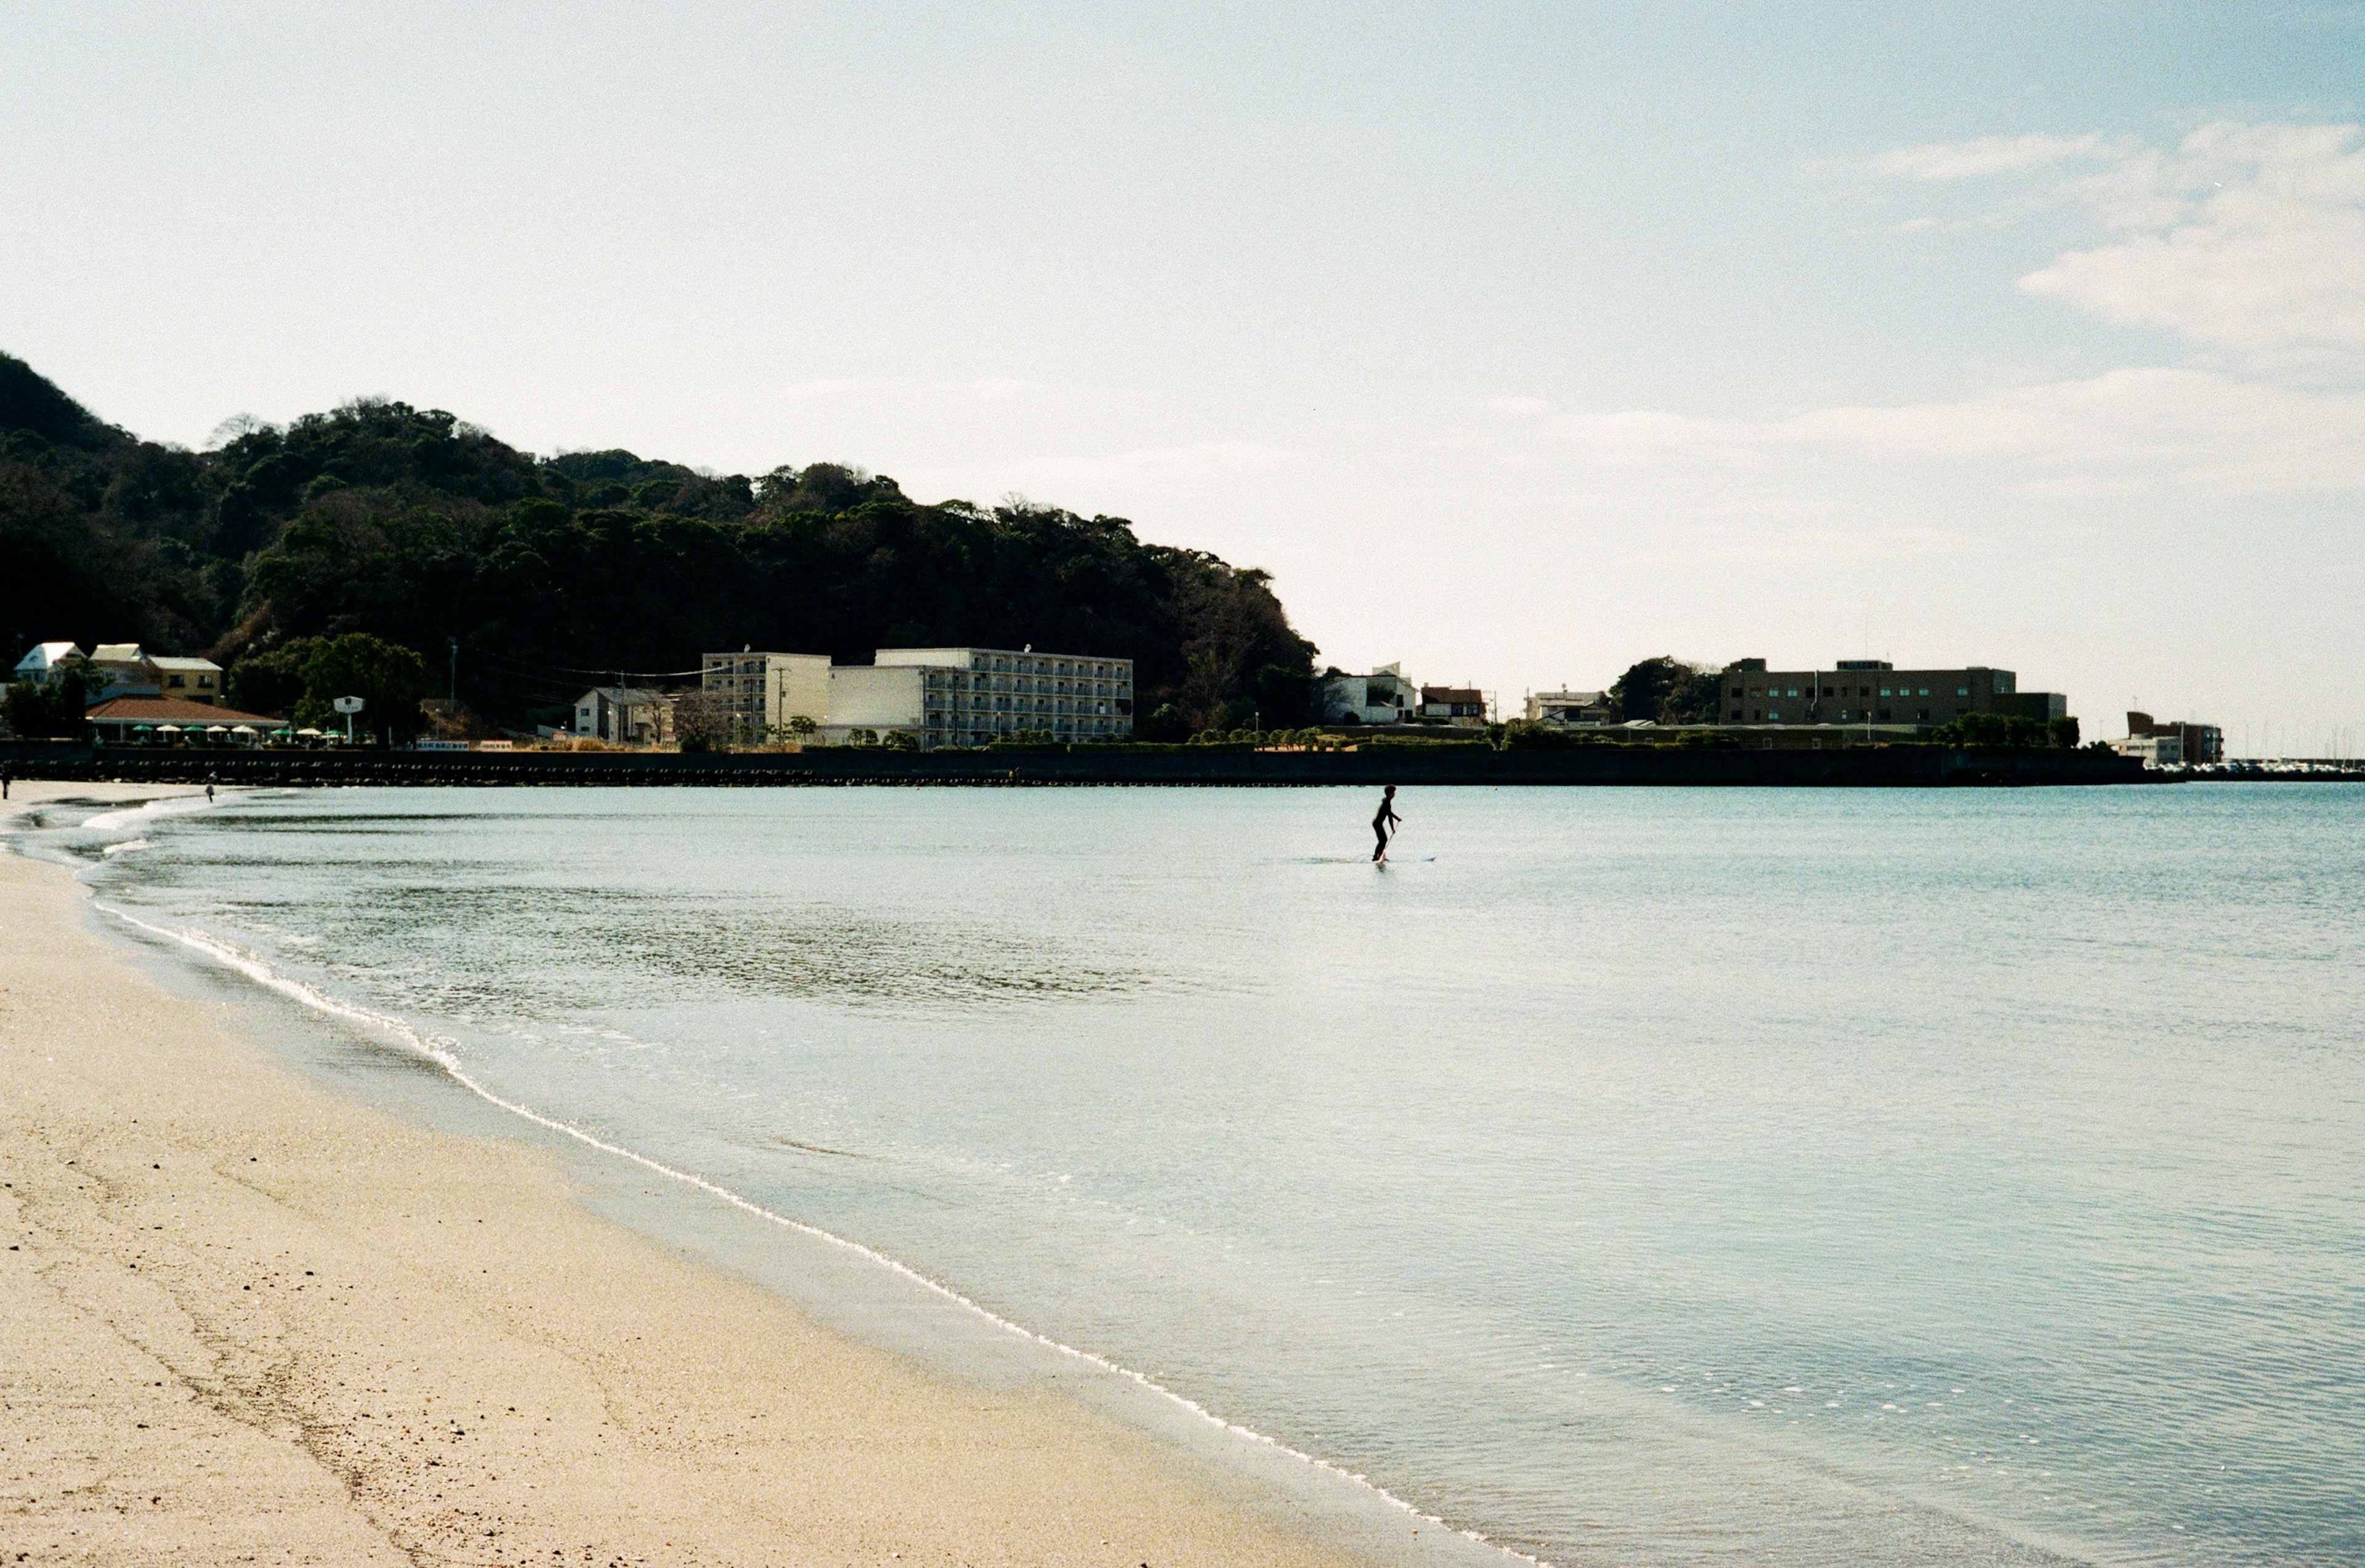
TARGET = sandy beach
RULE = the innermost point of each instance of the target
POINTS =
(242, 1320)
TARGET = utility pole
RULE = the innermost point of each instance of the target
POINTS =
(455, 672)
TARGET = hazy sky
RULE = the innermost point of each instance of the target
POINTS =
(1517, 342)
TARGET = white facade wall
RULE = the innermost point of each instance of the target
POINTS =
(874, 697)
(763, 691)
(1382, 697)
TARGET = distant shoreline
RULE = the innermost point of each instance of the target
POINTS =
(1902, 766)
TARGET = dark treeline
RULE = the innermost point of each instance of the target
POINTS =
(553, 573)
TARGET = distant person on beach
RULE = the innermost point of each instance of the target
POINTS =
(3, 783)
(210, 785)
(1384, 823)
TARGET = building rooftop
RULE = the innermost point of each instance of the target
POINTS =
(172, 711)
(187, 666)
(44, 654)
(117, 654)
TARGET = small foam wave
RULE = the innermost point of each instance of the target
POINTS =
(126, 848)
(146, 812)
(441, 1056)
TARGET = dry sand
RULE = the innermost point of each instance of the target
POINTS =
(242, 1320)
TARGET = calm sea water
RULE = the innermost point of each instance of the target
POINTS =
(1651, 1177)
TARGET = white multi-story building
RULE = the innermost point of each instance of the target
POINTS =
(969, 696)
(761, 692)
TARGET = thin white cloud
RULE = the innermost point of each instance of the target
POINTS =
(2249, 239)
(2127, 431)
(1195, 459)
(2244, 239)
(1991, 155)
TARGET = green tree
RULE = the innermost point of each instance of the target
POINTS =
(1667, 690)
(272, 680)
(387, 678)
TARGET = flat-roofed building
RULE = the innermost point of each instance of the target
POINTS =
(1873, 692)
(759, 693)
(2154, 741)
(969, 696)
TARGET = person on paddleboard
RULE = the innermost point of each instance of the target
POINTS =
(1383, 822)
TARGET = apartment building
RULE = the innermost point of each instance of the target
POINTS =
(1873, 692)
(969, 696)
(761, 692)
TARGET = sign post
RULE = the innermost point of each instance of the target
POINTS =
(349, 706)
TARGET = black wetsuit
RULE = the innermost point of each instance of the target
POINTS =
(1382, 823)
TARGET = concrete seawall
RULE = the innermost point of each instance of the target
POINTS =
(1872, 767)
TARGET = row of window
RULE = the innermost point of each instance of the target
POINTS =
(1821, 692)
(1843, 716)
(1021, 665)
(1080, 688)
(1087, 725)
(1003, 705)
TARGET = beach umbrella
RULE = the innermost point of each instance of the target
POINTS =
(310, 734)
(168, 729)
(217, 728)
(143, 729)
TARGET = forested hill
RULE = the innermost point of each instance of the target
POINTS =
(419, 528)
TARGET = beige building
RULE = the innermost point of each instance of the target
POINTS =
(192, 680)
(761, 692)
(1872, 691)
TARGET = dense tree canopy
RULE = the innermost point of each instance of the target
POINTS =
(1668, 692)
(553, 573)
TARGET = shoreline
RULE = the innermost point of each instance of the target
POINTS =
(216, 1348)
(1652, 766)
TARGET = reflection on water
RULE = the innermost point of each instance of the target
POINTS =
(1658, 1176)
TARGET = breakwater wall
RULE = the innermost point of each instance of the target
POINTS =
(1904, 767)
